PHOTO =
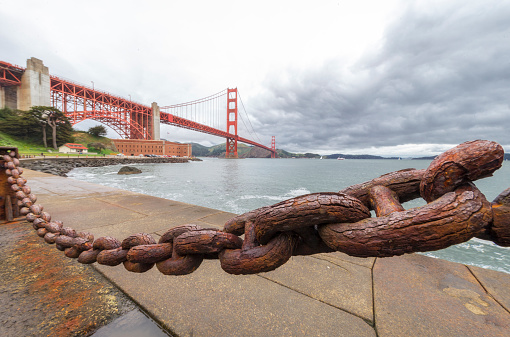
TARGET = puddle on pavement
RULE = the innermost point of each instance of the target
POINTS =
(133, 324)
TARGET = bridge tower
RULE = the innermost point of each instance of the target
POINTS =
(156, 116)
(273, 147)
(35, 85)
(232, 123)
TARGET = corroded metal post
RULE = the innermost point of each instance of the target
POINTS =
(9, 208)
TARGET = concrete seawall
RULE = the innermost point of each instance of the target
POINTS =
(322, 295)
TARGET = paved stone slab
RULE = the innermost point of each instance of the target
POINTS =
(218, 219)
(210, 302)
(159, 223)
(204, 224)
(144, 204)
(122, 230)
(133, 324)
(419, 296)
(84, 213)
(338, 257)
(34, 174)
(342, 285)
(495, 283)
(54, 185)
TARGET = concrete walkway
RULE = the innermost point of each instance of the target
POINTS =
(322, 295)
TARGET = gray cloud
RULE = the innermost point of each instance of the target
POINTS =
(440, 76)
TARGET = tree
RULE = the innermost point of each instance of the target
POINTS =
(37, 113)
(97, 131)
(98, 146)
(49, 116)
(32, 126)
(20, 125)
(54, 118)
(65, 133)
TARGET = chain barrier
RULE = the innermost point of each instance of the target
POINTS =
(314, 223)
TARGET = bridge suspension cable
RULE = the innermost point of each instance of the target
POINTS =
(208, 115)
(248, 117)
(133, 120)
(209, 110)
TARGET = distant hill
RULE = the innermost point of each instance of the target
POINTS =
(219, 150)
(245, 151)
(82, 137)
(357, 156)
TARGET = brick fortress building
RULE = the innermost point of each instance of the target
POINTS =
(135, 147)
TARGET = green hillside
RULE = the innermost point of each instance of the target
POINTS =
(82, 137)
(23, 146)
(217, 150)
(30, 148)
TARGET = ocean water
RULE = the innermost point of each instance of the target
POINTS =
(242, 185)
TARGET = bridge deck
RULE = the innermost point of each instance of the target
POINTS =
(326, 295)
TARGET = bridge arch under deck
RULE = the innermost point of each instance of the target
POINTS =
(131, 120)
(120, 125)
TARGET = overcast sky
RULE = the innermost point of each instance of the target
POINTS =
(366, 76)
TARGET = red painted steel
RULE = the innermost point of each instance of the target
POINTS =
(10, 74)
(78, 102)
(273, 147)
(231, 148)
(170, 119)
(129, 119)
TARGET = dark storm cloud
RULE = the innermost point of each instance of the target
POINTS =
(440, 75)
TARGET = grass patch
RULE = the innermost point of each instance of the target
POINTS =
(30, 148)
(23, 146)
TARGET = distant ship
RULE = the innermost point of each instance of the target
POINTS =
(340, 158)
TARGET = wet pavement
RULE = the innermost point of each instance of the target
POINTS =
(132, 324)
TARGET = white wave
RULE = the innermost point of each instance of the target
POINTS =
(297, 192)
(233, 207)
(291, 194)
(266, 197)
(488, 243)
(83, 175)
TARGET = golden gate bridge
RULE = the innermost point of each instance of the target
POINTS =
(132, 120)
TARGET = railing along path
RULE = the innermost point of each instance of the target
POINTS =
(314, 223)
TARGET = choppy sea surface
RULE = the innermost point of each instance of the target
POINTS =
(242, 185)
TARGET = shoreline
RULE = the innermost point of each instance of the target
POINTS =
(62, 166)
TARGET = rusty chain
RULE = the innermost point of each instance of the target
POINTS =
(314, 223)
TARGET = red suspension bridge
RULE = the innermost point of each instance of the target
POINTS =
(131, 120)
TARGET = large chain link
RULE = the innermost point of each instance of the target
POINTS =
(314, 223)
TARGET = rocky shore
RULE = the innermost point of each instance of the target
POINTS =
(61, 166)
